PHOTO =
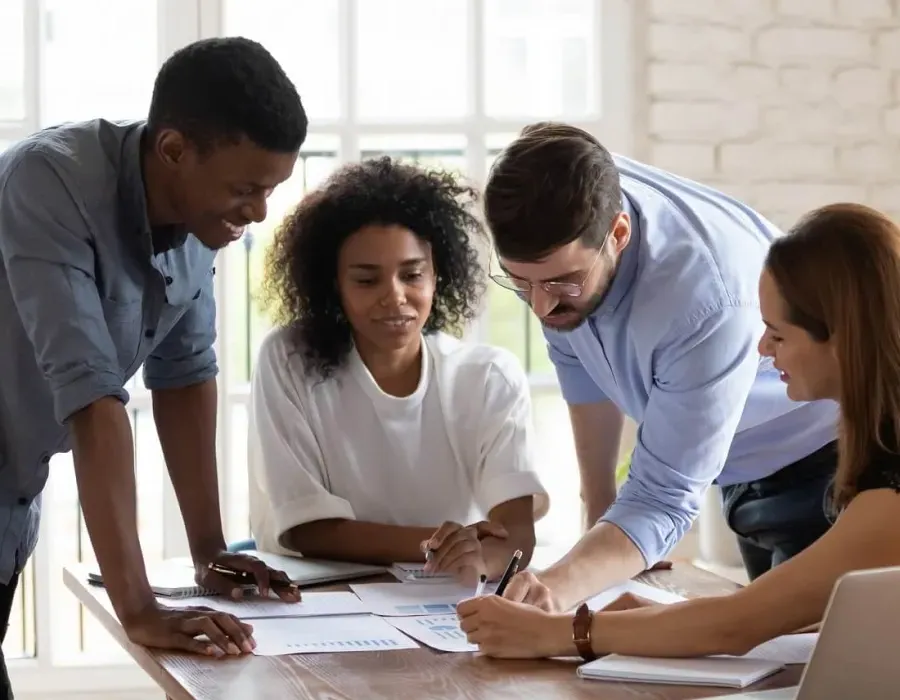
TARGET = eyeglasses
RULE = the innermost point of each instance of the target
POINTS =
(558, 289)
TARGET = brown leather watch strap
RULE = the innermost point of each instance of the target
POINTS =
(581, 632)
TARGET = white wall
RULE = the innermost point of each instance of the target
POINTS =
(789, 104)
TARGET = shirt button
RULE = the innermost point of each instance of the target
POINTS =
(23, 501)
(45, 459)
(149, 333)
(169, 280)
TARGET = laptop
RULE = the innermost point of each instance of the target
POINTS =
(310, 572)
(856, 654)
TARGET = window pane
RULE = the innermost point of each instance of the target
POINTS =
(247, 321)
(411, 60)
(12, 60)
(303, 39)
(237, 509)
(70, 542)
(538, 59)
(507, 319)
(558, 468)
(446, 152)
(19, 642)
(99, 59)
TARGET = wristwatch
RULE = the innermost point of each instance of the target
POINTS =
(581, 632)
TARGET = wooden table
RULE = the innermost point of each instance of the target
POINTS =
(394, 675)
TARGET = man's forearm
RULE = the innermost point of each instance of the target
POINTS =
(186, 422)
(104, 470)
(604, 557)
(357, 541)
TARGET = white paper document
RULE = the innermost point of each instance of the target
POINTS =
(312, 604)
(787, 649)
(415, 573)
(311, 635)
(439, 632)
(403, 599)
(658, 595)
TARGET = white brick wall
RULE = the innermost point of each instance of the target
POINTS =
(788, 104)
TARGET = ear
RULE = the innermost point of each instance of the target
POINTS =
(620, 233)
(171, 148)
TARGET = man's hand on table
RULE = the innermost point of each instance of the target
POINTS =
(200, 629)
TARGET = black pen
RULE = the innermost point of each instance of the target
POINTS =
(511, 570)
(247, 578)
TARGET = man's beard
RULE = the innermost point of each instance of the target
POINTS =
(578, 320)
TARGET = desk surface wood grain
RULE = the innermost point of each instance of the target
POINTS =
(396, 675)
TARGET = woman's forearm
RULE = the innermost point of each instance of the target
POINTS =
(732, 624)
(357, 541)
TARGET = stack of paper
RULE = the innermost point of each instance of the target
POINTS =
(728, 672)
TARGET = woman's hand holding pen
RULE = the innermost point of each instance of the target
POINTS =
(456, 549)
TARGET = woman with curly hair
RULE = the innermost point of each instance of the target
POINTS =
(375, 435)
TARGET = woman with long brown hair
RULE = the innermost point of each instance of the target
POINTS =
(830, 300)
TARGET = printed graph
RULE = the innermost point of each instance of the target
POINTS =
(443, 627)
(345, 645)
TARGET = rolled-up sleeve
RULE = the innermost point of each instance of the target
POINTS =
(187, 354)
(704, 377)
(46, 248)
(284, 459)
(506, 440)
(576, 385)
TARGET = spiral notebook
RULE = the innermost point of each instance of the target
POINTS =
(170, 580)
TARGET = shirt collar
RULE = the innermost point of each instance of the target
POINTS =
(626, 273)
(133, 198)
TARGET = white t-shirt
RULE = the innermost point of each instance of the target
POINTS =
(458, 446)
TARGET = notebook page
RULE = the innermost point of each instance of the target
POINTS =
(658, 595)
(310, 635)
(787, 649)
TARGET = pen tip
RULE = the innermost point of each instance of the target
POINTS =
(483, 578)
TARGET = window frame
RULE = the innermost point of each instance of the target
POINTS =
(179, 23)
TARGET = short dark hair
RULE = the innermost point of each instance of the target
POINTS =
(554, 184)
(218, 90)
(299, 288)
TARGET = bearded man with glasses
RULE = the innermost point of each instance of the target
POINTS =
(646, 285)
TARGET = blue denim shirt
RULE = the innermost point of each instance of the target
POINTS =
(674, 346)
(88, 294)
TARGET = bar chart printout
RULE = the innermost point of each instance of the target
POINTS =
(310, 635)
(439, 632)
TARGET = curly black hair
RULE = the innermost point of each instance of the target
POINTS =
(220, 89)
(301, 263)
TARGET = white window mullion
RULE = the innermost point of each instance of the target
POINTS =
(348, 48)
(179, 25)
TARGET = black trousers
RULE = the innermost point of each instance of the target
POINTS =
(779, 516)
(7, 593)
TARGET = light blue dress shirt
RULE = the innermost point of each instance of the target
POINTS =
(674, 346)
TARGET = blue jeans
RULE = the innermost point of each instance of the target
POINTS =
(779, 516)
